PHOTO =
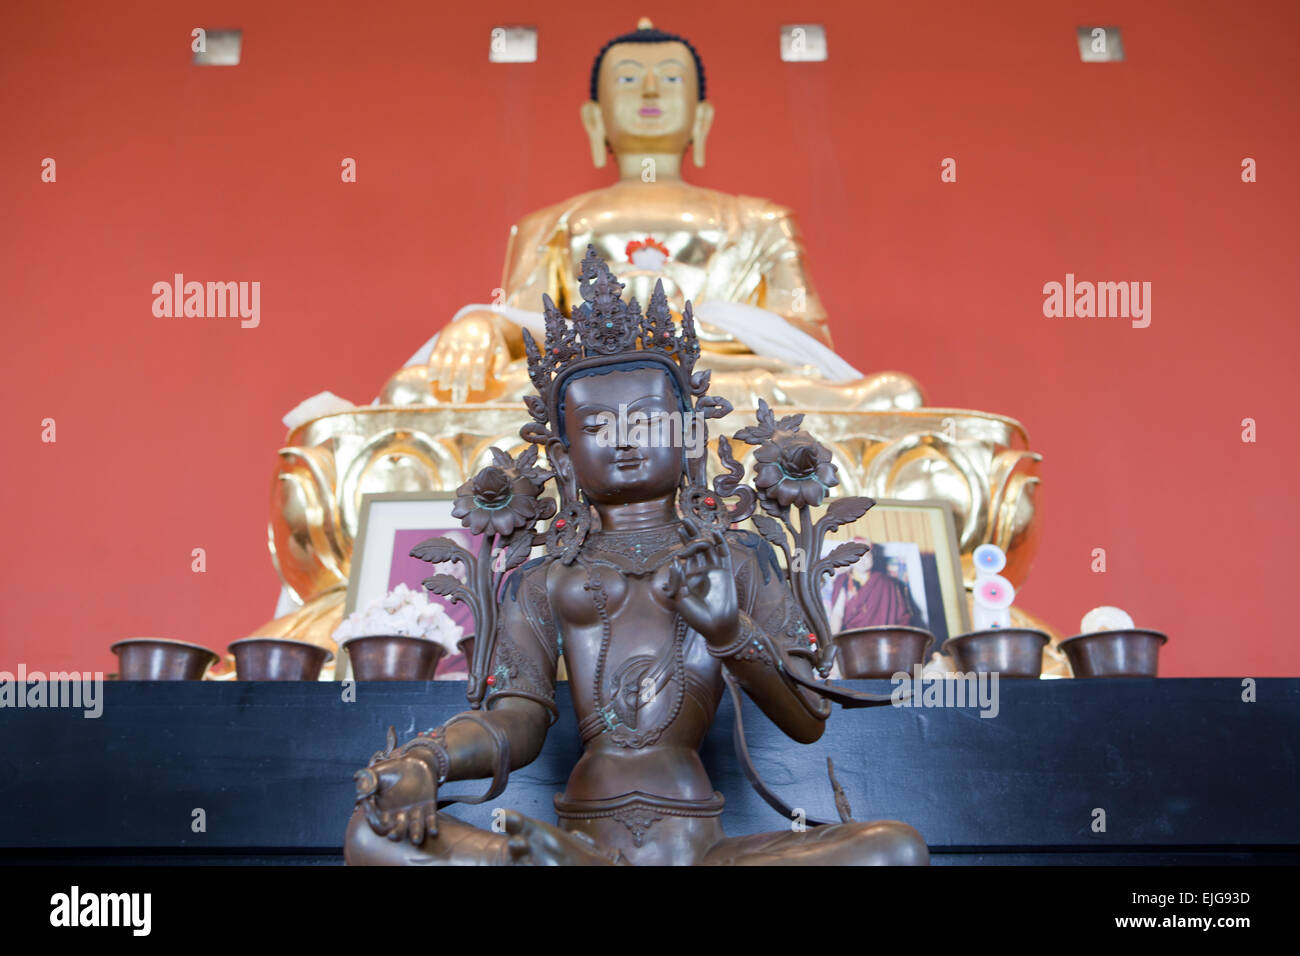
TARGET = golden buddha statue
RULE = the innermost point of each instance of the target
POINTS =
(738, 259)
(762, 329)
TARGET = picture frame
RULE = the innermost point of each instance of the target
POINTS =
(914, 545)
(390, 525)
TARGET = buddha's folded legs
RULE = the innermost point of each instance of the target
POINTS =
(743, 386)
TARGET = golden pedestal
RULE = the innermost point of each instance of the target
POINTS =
(978, 463)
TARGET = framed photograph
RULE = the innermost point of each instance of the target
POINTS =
(911, 575)
(391, 525)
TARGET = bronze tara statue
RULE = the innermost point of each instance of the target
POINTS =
(654, 596)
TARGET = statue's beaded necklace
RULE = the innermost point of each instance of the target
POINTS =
(647, 551)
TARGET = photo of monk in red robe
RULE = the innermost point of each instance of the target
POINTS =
(877, 590)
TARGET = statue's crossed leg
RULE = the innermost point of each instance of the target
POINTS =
(527, 841)
(456, 843)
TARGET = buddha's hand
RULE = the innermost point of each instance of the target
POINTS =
(700, 586)
(398, 792)
(468, 353)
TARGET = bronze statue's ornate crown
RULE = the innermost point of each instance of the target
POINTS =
(605, 331)
(604, 326)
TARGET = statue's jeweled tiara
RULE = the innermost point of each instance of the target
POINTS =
(604, 326)
(605, 330)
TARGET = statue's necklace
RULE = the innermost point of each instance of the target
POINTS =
(636, 552)
(647, 677)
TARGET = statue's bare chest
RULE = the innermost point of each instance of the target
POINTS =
(629, 655)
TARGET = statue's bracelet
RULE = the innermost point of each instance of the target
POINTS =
(748, 637)
(434, 740)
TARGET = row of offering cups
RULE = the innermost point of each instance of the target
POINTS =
(865, 652)
(882, 651)
(278, 658)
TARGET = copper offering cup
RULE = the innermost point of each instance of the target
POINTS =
(1127, 652)
(393, 657)
(881, 651)
(158, 658)
(277, 658)
(1007, 651)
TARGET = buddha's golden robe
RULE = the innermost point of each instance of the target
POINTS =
(721, 249)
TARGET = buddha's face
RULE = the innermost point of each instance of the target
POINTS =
(648, 97)
(621, 448)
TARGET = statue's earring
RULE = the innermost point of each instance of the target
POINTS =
(567, 532)
(572, 520)
(565, 480)
(594, 124)
(700, 134)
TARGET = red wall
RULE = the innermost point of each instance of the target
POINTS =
(167, 428)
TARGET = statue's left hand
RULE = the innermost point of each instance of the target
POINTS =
(701, 586)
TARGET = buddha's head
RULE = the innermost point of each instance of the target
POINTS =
(647, 97)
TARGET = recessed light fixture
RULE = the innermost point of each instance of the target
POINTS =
(216, 47)
(1100, 45)
(803, 43)
(513, 45)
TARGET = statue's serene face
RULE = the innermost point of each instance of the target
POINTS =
(625, 439)
(648, 95)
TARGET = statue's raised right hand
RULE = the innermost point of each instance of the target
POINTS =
(468, 354)
(399, 795)
(701, 586)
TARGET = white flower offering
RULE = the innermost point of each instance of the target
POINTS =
(1105, 618)
(402, 612)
